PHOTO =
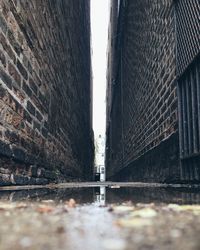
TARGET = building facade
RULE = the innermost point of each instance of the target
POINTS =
(45, 91)
(100, 156)
(152, 119)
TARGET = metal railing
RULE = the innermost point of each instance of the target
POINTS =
(189, 111)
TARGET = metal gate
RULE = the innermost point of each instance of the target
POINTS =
(188, 74)
(189, 111)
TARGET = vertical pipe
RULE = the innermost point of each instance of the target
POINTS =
(185, 134)
(180, 116)
(188, 114)
(122, 106)
(194, 111)
(197, 73)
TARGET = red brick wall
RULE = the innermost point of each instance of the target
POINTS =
(45, 91)
(144, 114)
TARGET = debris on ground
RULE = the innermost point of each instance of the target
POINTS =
(71, 203)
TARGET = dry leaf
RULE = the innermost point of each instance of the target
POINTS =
(190, 207)
(8, 206)
(45, 209)
(180, 208)
(144, 213)
(71, 203)
(60, 230)
(47, 201)
(123, 209)
(21, 205)
(174, 207)
(4, 206)
(135, 222)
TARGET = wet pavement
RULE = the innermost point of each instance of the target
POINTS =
(95, 216)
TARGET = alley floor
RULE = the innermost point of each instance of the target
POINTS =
(110, 216)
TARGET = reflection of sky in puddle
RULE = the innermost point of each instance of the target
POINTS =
(104, 195)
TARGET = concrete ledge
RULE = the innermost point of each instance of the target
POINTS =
(102, 184)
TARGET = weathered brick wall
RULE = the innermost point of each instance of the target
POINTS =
(149, 96)
(188, 42)
(45, 91)
(112, 67)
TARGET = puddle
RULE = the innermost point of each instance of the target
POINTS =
(103, 195)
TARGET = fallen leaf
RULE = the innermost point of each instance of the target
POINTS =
(110, 209)
(21, 205)
(45, 209)
(144, 213)
(143, 205)
(190, 207)
(60, 230)
(4, 206)
(71, 203)
(174, 207)
(47, 201)
(9, 206)
(135, 222)
(180, 208)
(123, 209)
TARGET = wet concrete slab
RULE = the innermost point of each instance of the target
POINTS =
(100, 216)
(110, 192)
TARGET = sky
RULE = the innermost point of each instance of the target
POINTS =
(99, 30)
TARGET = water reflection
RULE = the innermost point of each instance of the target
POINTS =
(105, 195)
(100, 196)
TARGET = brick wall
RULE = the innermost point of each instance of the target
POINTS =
(45, 91)
(143, 117)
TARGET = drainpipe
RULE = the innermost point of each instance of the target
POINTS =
(123, 6)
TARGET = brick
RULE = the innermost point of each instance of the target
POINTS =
(44, 132)
(14, 43)
(13, 72)
(19, 154)
(33, 86)
(3, 92)
(5, 170)
(36, 125)
(3, 25)
(7, 47)
(11, 136)
(30, 108)
(5, 180)
(27, 117)
(5, 149)
(39, 116)
(27, 90)
(5, 78)
(20, 180)
(22, 70)
(2, 59)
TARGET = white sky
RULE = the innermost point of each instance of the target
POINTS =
(99, 29)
